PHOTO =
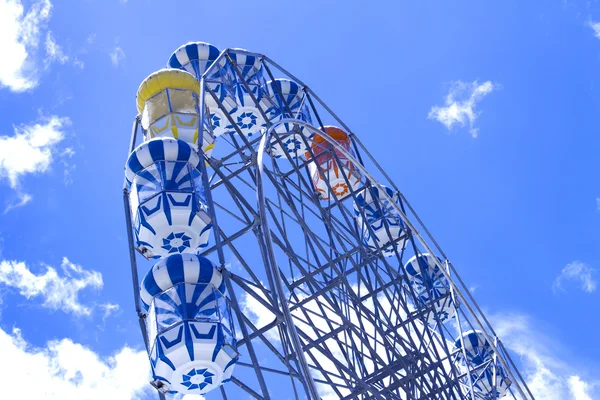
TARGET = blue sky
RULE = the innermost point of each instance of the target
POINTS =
(484, 114)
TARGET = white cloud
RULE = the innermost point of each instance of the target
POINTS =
(66, 370)
(576, 271)
(116, 56)
(68, 152)
(595, 27)
(65, 156)
(30, 150)
(579, 389)
(23, 199)
(21, 32)
(460, 103)
(58, 291)
(54, 51)
(78, 63)
(91, 38)
(259, 314)
(548, 376)
(19, 40)
(109, 309)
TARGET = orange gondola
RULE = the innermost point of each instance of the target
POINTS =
(331, 168)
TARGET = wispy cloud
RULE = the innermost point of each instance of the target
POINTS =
(69, 166)
(460, 105)
(20, 33)
(116, 56)
(65, 370)
(595, 27)
(30, 150)
(549, 376)
(109, 309)
(53, 51)
(579, 272)
(22, 200)
(78, 63)
(59, 291)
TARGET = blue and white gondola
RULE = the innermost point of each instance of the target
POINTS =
(196, 58)
(431, 288)
(479, 365)
(285, 99)
(192, 342)
(169, 212)
(249, 66)
(246, 114)
(381, 227)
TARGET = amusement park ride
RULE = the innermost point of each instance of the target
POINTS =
(287, 263)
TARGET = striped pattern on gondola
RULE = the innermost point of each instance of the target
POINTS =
(194, 57)
(182, 268)
(292, 95)
(477, 347)
(426, 278)
(248, 64)
(480, 352)
(367, 200)
(159, 149)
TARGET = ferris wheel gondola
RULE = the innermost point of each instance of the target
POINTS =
(488, 379)
(168, 102)
(196, 58)
(380, 225)
(332, 173)
(193, 348)
(431, 288)
(285, 99)
(169, 209)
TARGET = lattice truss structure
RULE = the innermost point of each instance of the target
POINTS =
(337, 289)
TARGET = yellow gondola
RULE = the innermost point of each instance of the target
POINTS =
(168, 101)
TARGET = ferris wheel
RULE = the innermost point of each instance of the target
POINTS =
(282, 261)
